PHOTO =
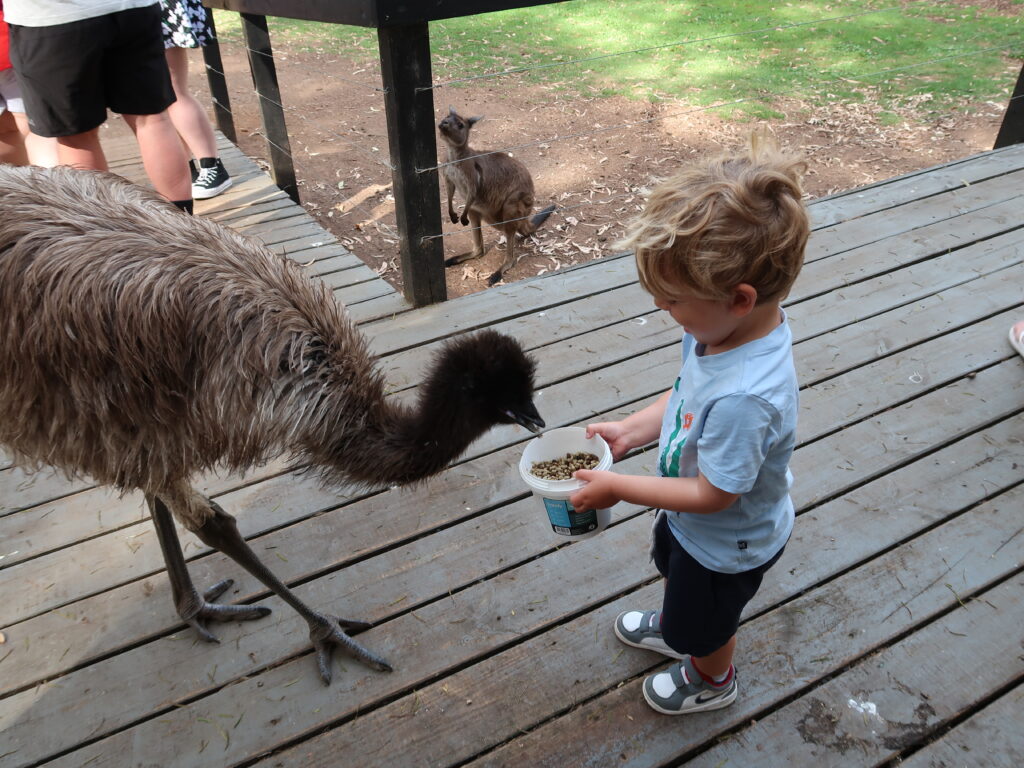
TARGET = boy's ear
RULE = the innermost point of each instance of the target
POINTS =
(744, 299)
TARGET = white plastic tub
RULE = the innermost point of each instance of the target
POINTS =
(553, 495)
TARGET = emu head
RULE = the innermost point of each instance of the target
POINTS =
(492, 377)
(454, 128)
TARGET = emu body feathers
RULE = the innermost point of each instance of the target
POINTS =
(140, 346)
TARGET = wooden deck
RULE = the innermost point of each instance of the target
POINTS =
(892, 629)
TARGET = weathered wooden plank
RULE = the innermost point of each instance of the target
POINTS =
(339, 263)
(375, 310)
(436, 322)
(876, 227)
(346, 278)
(409, 577)
(914, 186)
(495, 613)
(20, 489)
(861, 263)
(616, 323)
(366, 290)
(895, 379)
(558, 355)
(462, 492)
(785, 650)
(303, 231)
(801, 489)
(897, 698)
(94, 511)
(876, 456)
(991, 737)
(417, 719)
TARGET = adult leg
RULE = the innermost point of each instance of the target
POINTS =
(12, 143)
(162, 155)
(41, 150)
(187, 114)
(82, 150)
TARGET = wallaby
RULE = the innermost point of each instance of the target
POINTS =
(496, 188)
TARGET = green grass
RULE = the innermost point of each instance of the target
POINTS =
(816, 62)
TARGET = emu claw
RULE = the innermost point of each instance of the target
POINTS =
(326, 633)
(200, 610)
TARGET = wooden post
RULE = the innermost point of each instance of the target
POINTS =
(409, 107)
(264, 75)
(1012, 129)
(218, 84)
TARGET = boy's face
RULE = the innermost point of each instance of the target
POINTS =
(709, 321)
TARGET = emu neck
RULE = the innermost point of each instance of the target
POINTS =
(396, 444)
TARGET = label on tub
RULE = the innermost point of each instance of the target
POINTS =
(565, 520)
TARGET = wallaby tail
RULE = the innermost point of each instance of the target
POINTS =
(539, 219)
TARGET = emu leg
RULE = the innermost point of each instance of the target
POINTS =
(195, 609)
(325, 632)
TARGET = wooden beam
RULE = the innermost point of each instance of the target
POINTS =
(372, 13)
(264, 75)
(409, 107)
(218, 84)
(1012, 129)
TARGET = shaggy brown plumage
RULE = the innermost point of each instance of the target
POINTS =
(140, 346)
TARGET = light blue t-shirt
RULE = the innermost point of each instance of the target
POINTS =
(733, 416)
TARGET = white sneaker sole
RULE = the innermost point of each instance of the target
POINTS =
(655, 646)
(201, 193)
(718, 703)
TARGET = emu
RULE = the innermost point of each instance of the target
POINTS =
(495, 187)
(139, 346)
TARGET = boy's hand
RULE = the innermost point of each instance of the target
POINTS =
(614, 434)
(597, 493)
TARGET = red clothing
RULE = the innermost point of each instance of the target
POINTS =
(5, 59)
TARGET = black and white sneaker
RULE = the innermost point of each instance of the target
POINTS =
(211, 180)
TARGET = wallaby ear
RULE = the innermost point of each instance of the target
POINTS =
(451, 110)
(475, 120)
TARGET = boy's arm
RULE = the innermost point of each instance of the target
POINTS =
(635, 430)
(679, 494)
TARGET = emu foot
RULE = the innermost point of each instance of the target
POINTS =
(326, 633)
(196, 610)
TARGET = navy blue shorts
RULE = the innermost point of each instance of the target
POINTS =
(702, 608)
(71, 73)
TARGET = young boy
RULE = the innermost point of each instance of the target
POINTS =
(718, 247)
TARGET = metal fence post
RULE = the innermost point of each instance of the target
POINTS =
(409, 107)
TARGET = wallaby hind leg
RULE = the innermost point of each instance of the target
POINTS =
(511, 231)
(478, 242)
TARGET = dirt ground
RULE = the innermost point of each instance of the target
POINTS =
(593, 157)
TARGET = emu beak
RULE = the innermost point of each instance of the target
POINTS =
(527, 416)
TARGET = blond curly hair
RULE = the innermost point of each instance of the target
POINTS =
(738, 218)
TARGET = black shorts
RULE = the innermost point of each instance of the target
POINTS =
(702, 608)
(71, 73)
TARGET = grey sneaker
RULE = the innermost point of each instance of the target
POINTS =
(674, 692)
(635, 628)
(210, 181)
